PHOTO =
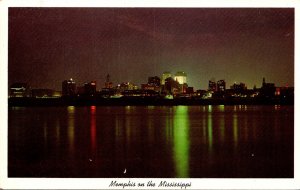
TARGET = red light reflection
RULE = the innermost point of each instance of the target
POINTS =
(93, 127)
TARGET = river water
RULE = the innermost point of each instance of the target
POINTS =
(151, 141)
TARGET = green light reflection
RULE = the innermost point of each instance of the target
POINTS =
(169, 125)
(222, 122)
(221, 108)
(210, 131)
(222, 128)
(209, 108)
(181, 141)
(204, 129)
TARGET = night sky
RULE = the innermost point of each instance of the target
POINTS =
(49, 45)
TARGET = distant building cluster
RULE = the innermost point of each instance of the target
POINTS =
(21, 90)
(168, 86)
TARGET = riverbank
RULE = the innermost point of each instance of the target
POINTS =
(155, 101)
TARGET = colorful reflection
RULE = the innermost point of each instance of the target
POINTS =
(235, 129)
(221, 108)
(181, 141)
(209, 108)
(222, 127)
(93, 110)
(204, 130)
(71, 124)
(277, 107)
(169, 124)
(210, 131)
(93, 127)
(71, 109)
(222, 122)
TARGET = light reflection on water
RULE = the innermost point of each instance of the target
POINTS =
(71, 125)
(151, 141)
(181, 141)
(235, 129)
(93, 128)
(210, 131)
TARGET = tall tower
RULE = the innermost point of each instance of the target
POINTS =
(180, 77)
(221, 86)
(165, 75)
(68, 87)
(264, 82)
(212, 86)
(108, 84)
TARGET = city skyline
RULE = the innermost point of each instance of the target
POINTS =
(49, 45)
(102, 86)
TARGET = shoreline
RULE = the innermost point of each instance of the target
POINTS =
(142, 101)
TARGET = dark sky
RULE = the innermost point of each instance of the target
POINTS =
(49, 45)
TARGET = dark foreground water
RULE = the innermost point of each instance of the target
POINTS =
(151, 141)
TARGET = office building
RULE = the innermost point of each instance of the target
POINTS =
(221, 86)
(171, 86)
(154, 81)
(180, 77)
(90, 88)
(69, 88)
(212, 86)
(268, 89)
(19, 90)
(165, 75)
(108, 84)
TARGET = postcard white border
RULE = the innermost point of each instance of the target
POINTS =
(103, 183)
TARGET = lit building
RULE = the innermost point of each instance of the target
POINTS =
(19, 90)
(239, 90)
(239, 87)
(68, 88)
(90, 88)
(172, 86)
(190, 90)
(108, 84)
(268, 89)
(154, 81)
(153, 84)
(285, 92)
(212, 86)
(150, 87)
(180, 77)
(42, 93)
(126, 86)
(165, 75)
(221, 86)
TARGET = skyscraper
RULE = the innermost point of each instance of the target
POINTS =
(180, 77)
(154, 81)
(212, 86)
(165, 75)
(221, 86)
(68, 88)
(90, 88)
(108, 84)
